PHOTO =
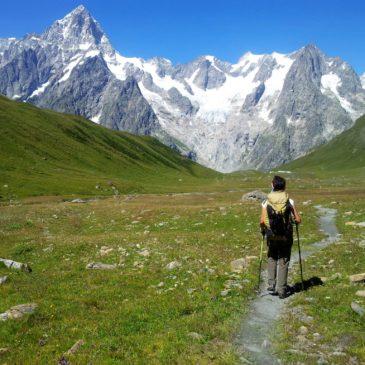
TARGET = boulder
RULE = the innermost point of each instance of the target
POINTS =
(105, 250)
(173, 265)
(358, 309)
(75, 347)
(238, 265)
(254, 195)
(78, 200)
(18, 311)
(357, 278)
(15, 265)
(195, 335)
(303, 330)
(360, 293)
(3, 279)
(101, 266)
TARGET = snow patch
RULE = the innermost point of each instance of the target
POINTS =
(276, 81)
(331, 82)
(67, 72)
(96, 118)
(362, 79)
(41, 89)
(85, 46)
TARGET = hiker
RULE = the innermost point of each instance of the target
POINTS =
(277, 214)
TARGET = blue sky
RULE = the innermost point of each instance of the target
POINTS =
(182, 30)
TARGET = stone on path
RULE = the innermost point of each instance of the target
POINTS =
(18, 311)
(3, 279)
(4, 350)
(360, 293)
(254, 195)
(358, 309)
(101, 266)
(15, 265)
(238, 265)
(357, 278)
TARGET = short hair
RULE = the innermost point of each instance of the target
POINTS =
(278, 183)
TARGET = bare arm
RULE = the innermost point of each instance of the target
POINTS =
(263, 215)
(297, 217)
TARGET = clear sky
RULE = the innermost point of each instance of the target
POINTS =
(182, 30)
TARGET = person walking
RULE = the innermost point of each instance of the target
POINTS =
(277, 214)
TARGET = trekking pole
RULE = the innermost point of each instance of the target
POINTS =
(261, 254)
(300, 256)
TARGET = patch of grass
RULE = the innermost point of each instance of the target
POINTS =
(335, 331)
(343, 155)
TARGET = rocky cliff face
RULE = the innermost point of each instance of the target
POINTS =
(260, 112)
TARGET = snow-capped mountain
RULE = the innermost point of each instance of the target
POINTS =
(260, 112)
(362, 79)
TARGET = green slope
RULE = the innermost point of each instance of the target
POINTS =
(47, 153)
(344, 154)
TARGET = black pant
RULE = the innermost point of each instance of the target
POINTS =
(278, 262)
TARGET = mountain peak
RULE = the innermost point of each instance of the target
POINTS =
(77, 30)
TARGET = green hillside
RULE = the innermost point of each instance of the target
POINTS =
(344, 154)
(47, 153)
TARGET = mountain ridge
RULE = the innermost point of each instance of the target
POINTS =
(258, 113)
(43, 152)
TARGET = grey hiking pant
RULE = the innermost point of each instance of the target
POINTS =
(278, 263)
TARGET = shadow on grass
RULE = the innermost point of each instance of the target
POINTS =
(305, 285)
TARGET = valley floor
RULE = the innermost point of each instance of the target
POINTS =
(172, 296)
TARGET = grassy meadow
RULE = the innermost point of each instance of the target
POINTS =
(170, 228)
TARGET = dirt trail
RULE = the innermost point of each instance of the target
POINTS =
(254, 336)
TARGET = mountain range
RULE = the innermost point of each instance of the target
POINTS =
(263, 111)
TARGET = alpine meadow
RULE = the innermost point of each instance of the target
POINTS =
(155, 212)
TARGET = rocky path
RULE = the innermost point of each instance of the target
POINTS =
(265, 310)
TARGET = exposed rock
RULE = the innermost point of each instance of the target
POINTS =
(308, 202)
(144, 253)
(356, 224)
(238, 265)
(303, 330)
(75, 347)
(16, 265)
(63, 361)
(78, 200)
(225, 292)
(4, 350)
(18, 311)
(251, 258)
(254, 195)
(357, 278)
(105, 250)
(358, 309)
(195, 335)
(360, 293)
(101, 266)
(173, 265)
(266, 344)
(3, 279)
